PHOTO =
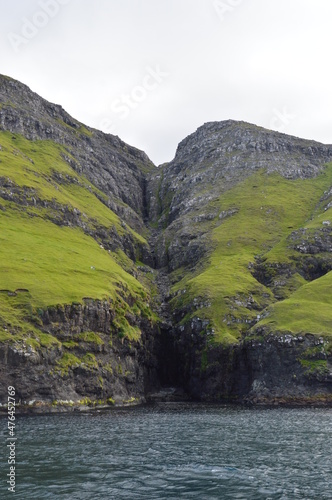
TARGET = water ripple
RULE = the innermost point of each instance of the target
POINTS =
(176, 451)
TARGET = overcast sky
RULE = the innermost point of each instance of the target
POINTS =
(152, 71)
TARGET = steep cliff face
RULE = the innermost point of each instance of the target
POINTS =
(211, 273)
(113, 166)
(80, 358)
(244, 217)
(212, 161)
(76, 319)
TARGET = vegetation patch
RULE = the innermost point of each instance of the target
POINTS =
(44, 263)
(89, 362)
(268, 209)
(67, 362)
(317, 367)
(71, 344)
(90, 337)
(308, 310)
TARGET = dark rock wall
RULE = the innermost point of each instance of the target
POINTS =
(119, 369)
(281, 368)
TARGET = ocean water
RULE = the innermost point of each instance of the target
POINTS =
(173, 451)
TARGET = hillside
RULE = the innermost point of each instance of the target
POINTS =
(211, 273)
(244, 216)
(74, 306)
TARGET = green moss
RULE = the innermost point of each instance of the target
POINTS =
(90, 337)
(70, 344)
(67, 362)
(89, 362)
(122, 326)
(314, 352)
(46, 340)
(315, 367)
(108, 368)
(131, 401)
(17, 321)
(204, 360)
(85, 401)
(5, 336)
(83, 130)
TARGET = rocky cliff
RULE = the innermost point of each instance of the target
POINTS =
(244, 218)
(76, 318)
(210, 273)
(114, 167)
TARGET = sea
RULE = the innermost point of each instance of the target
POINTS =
(172, 451)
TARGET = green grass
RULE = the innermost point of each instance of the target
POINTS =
(71, 344)
(315, 367)
(78, 131)
(56, 264)
(19, 321)
(89, 361)
(38, 165)
(308, 310)
(90, 337)
(269, 209)
(66, 363)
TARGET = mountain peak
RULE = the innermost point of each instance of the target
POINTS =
(227, 143)
(115, 167)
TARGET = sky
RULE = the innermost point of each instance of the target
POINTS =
(153, 71)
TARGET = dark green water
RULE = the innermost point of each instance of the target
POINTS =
(174, 451)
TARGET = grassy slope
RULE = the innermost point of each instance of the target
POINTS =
(32, 164)
(269, 208)
(56, 265)
(308, 310)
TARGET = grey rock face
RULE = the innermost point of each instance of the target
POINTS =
(208, 163)
(120, 369)
(282, 369)
(113, 166)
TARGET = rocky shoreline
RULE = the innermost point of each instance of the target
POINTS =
(61, 407)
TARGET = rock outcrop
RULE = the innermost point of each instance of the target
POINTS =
(209, 163)
(186, 200)
(113, 166)
(88, 363)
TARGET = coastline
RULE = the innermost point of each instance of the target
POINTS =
(60, 407)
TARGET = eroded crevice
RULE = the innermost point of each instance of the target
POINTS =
(169, 365)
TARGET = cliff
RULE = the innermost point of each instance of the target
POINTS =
(210, 274)
(76, 318)
(244, 218)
